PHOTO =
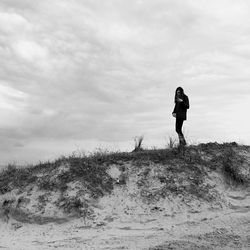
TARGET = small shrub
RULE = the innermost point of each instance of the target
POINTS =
(230, 167)
(45, 183)
(74, 205)
(171, 142)
(138, 143)
(13, 177)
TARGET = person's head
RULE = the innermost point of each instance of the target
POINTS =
(179, 92)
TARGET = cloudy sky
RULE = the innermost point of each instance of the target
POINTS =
(79, 75)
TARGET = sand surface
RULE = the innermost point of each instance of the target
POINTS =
(211, 229)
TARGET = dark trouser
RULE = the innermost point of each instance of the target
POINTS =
(178, 129)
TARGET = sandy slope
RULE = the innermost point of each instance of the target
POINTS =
(228, 229)
(175, 204)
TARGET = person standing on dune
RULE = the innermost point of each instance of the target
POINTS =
(180, 113)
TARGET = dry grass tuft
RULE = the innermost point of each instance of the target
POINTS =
(138, 143)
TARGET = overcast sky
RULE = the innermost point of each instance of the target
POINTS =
(79, 75)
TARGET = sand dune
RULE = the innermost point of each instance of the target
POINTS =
(152, 199)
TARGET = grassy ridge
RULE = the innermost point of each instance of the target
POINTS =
(92, 169)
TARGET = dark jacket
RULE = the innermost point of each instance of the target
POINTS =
(180, 108)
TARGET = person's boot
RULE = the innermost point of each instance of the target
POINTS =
(182, 141)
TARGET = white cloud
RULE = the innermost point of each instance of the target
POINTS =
(30, 50)
(11, 23)
(12, 105)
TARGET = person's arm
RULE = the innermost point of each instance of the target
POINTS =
(186, 102)
(174, 111)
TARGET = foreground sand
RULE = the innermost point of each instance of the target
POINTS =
(222, 229)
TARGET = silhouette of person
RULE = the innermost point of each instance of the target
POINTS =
(180, 113)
